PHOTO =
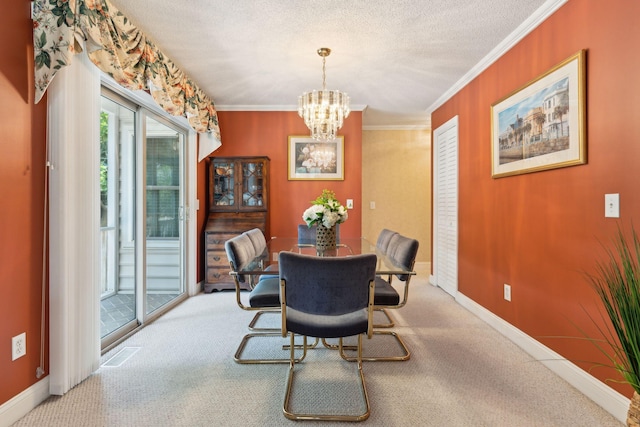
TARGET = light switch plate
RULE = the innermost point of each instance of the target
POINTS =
(612, 205)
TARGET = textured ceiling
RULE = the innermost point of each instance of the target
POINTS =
(395, 58)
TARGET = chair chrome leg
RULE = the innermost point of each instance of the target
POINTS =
(314, 345)
(330, 346)
(326, 417)
(406, 354)
(245, 340)
(254, 321)
(389, 324)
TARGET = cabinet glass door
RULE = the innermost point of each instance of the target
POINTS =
(252, 184)
(224, 184)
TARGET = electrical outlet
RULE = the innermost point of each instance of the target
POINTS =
(18, 346)
(507, 292)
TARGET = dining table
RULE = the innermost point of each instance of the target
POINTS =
(267, 262)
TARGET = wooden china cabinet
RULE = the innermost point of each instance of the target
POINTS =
(238, 201)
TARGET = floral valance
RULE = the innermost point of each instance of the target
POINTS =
(119, 49)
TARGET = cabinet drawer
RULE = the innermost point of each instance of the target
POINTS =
(218, 275)
(216, 240)
(217, 259)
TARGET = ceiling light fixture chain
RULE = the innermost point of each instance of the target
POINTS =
(324, 111)
(324, 52)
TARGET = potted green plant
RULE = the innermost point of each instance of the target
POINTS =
(617, 283)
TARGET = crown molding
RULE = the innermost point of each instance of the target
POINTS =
(222, 107)
(426, 126)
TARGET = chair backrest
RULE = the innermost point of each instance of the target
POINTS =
(307, 235)
(403, 250)
(240, 252)
(258, 240)
(326, 285)
(384, 238)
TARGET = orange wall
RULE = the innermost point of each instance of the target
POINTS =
(540, 231)
(266, 134)
(22, 137)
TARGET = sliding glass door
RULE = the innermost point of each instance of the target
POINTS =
(142, 222)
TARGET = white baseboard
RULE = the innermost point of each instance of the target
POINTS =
(609, 399)
(20, 405)
(197, 288)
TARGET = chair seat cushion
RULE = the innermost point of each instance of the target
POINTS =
(326, 326)
(266, 293)
(385, 294)
(269, 276)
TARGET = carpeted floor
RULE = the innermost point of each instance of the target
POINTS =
(181, 373)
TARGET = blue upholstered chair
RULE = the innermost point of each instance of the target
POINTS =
(382, 244)
(243, 252)
(400, 251)
(326, 297)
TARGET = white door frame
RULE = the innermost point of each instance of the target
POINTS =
(445, 207)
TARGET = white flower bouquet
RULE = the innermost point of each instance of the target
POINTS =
(326, 210)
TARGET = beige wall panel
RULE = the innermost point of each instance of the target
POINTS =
(396, 176)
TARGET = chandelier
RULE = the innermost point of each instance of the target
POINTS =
(323, 110)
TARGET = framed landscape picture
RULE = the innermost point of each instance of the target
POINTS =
(542, 124)
(312, 160)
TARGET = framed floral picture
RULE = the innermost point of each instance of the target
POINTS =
(312, 160)
(541, 125)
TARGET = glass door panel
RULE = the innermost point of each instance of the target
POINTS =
(117, 218)
(164, 214)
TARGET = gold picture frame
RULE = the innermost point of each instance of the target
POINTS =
(541, 125)
(309, 159)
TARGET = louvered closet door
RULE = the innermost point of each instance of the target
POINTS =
(446, 206)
